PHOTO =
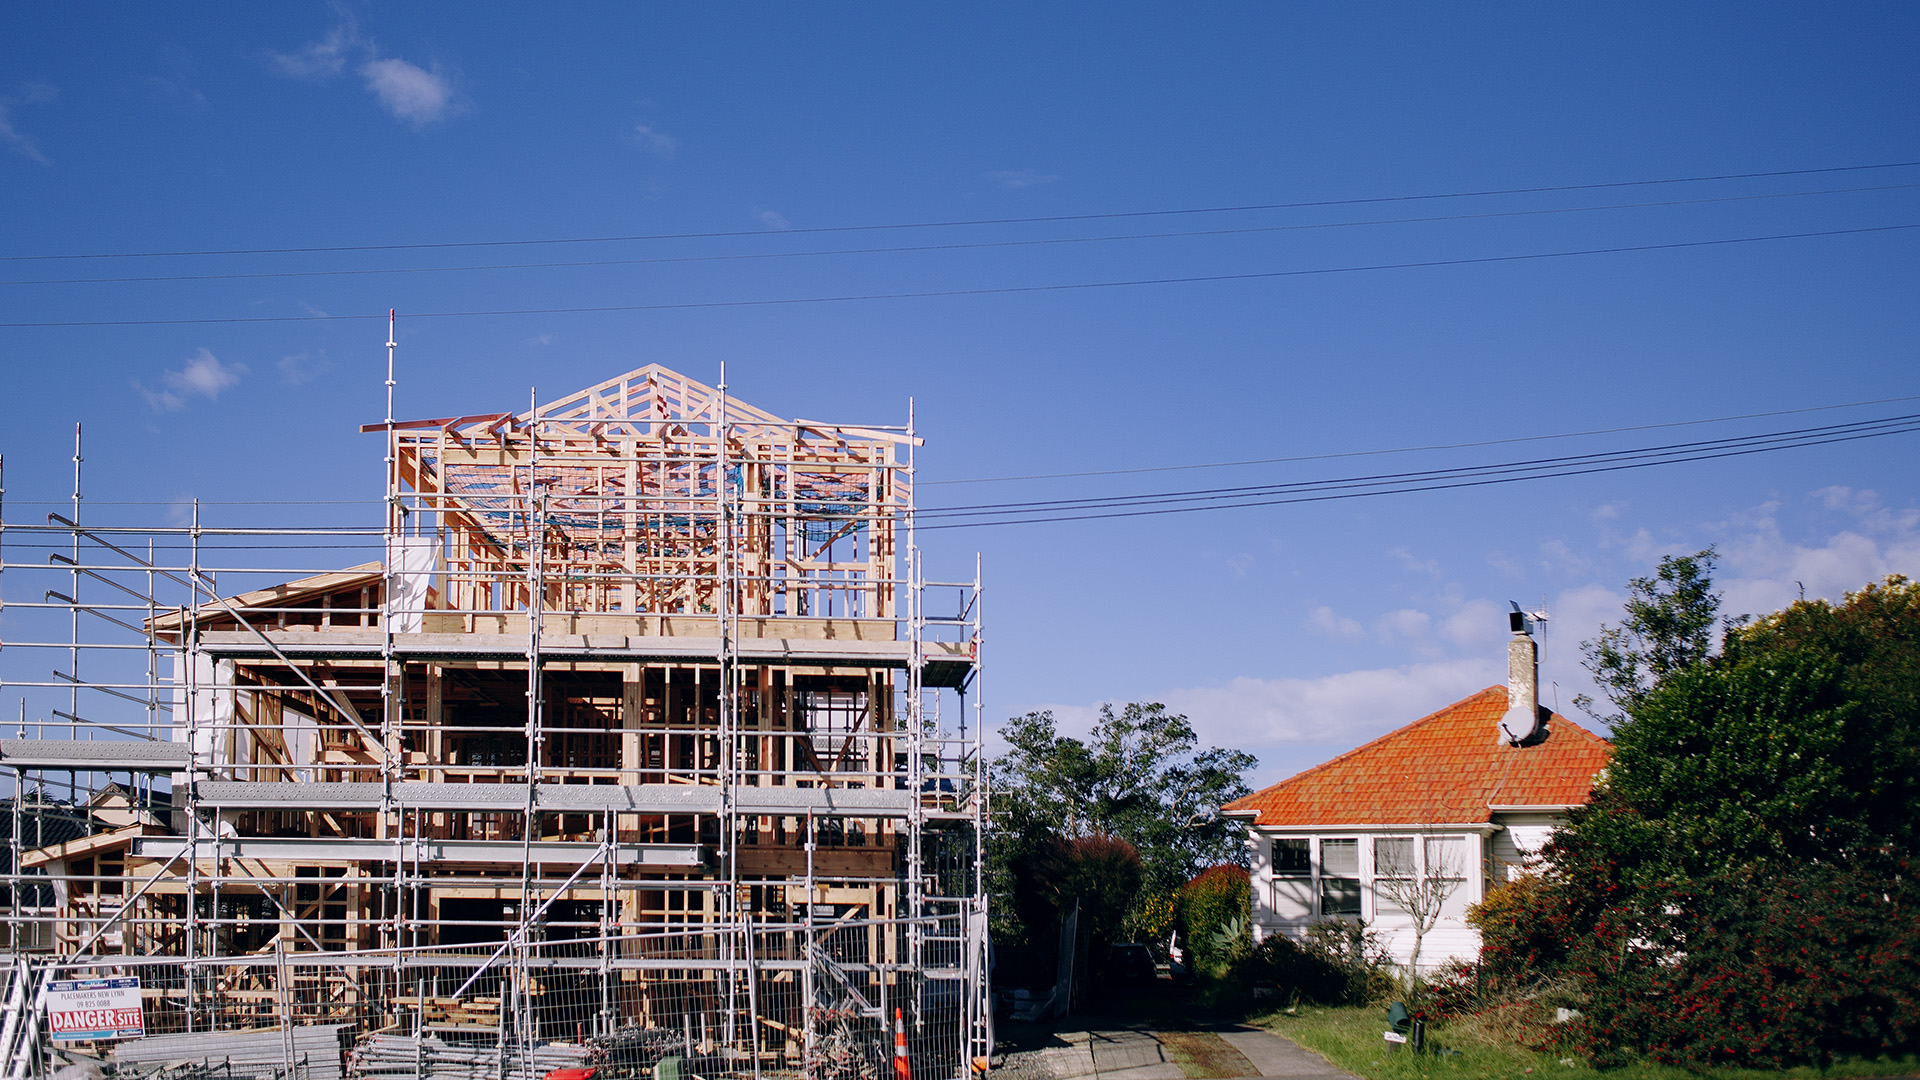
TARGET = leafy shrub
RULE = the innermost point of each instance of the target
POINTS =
(1152, 919)
(1452, 991)
(1103, 873)
(1356, 951)
(1732, 971)
(1218, 899)
(1047, 875)
(1304, 972)
(1526, 931)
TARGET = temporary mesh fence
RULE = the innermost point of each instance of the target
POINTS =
(825, 1000)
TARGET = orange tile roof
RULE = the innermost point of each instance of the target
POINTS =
(1450, 766)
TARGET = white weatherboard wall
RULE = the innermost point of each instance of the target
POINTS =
(1488, 853)
(1526, 832)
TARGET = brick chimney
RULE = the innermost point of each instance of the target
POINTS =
(1525, 723)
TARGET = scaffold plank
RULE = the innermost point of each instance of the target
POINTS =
(572, 798)
(504, 852)
(102, 755)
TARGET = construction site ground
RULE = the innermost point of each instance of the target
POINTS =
(1155, 1033)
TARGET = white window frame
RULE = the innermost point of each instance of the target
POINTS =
(1366, 844)
(1322, 877)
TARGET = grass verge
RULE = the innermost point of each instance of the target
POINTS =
(1350, 1038)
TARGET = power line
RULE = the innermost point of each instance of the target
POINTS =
(1010, 290)
(968, 246)
(1331, 456)
(1045, 511)
(1415, 449)
(1549, 462)
(1334, 490)
(959, 223)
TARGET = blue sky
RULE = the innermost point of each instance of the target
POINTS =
(1292, 631)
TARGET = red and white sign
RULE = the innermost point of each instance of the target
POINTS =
(80, 1010)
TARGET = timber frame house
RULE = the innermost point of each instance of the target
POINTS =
(635, 720)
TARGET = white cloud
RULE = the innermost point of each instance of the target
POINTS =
(1324, 620)
(19, 141)
(1575, 615)
(298, 369)
(1429, 567)
(1015, 179)
(325, 58)
(1505, 563)
(1560, 556)
(1409, 623)
(1327, 621)
(203, 375)
(1643, 548)
(771, 219)
(1478, 625)
(1294, 723)
(1291, 723)
(410, 93)
(1763, 572)
(654, 141)
(1865, 506)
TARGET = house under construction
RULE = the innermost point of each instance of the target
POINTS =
(637, 729)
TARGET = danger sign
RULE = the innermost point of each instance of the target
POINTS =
(83, 1009)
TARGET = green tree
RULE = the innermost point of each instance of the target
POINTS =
(1874, 637)
(1668, 628)
(1785, 769)
(1139, 776)
(1800, 743)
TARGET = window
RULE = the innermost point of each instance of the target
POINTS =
(1293, 878)
(1339, 878)
(1419, 877)
(1393, 857)
(1447, 857)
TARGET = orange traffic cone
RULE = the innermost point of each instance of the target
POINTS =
(902, 1070)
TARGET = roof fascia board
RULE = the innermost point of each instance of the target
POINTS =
(1484, 827)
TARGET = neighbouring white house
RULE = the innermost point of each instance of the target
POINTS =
(1424, 818)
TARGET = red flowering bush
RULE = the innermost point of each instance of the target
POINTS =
(1526, 931)
(1737, 889)
(1452, 991)
(1733, 971)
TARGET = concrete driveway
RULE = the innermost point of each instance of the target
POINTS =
(1104, 1052)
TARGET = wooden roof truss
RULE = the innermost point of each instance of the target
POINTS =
(615, 492)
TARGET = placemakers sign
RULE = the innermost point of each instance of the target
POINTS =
(85, 1009)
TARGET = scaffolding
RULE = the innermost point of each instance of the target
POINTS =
(642, 732)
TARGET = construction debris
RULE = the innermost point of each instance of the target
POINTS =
(431, 1058)
(316, 1050)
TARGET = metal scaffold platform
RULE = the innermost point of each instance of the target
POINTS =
(629, 740)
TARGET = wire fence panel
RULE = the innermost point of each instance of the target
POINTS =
(822, 1000)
